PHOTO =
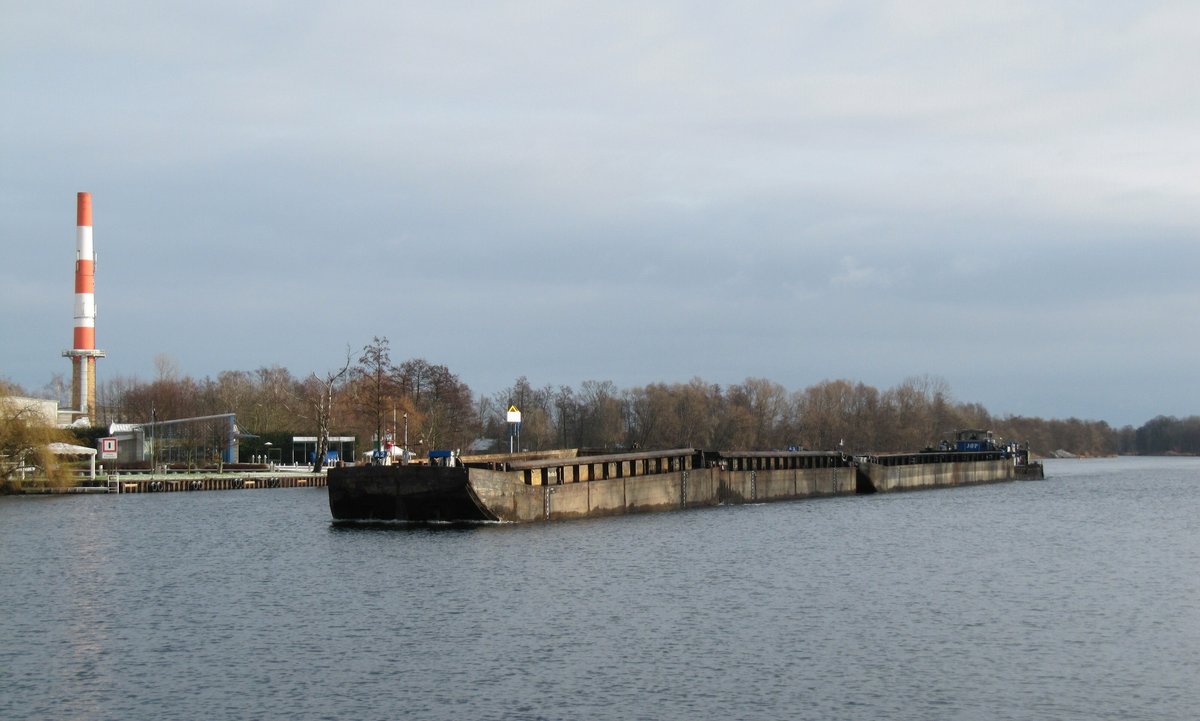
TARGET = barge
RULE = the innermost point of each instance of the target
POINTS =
(973, 456)
(567, 484)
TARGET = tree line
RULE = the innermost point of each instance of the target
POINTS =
(376, 399)
(759, 414)
(1163, 435)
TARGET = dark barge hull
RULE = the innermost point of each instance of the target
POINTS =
(403, 493)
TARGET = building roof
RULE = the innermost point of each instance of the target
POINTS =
(67, 449)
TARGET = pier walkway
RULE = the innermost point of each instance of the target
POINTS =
(197, 480)
(210, 482)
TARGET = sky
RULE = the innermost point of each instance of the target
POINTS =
(1003, 196)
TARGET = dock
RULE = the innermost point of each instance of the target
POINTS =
(190, 482)
(224, 482)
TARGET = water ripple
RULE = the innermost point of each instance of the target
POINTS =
(1076, 598)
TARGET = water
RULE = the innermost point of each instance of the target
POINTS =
(1073, 598)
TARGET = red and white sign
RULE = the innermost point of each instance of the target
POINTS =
(108, 449)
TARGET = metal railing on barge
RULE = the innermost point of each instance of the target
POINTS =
(925, 457)
(782, 460)
(581, 469)
(585, 468)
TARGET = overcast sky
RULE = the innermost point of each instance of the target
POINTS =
(1002, 195)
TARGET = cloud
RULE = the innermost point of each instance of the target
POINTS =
(855, 275)
(612, 186)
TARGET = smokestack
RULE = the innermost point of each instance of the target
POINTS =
(83, 353)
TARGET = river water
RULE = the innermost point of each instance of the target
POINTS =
(1073, 598)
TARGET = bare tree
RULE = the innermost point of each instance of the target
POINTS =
(415, 378)
(826, 412)
(446, 408)
(319, 390)
(59, 388)
(275, 387)
(699, 414)
(166, 366)
(601, 414)
(566, 410)
(375, 384)
(648, 414)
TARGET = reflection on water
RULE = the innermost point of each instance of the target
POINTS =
(413, 527)
(1073, 598)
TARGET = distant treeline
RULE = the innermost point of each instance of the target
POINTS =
(377, 398)
(1163, 435)
(761, 414)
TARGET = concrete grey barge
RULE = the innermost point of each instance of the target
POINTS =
(972, 456)
(564, 484)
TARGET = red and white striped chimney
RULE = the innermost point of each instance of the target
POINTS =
(85, 276)
(83, 353)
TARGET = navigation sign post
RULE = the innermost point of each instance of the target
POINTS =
(514, 427)
(108, 452)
